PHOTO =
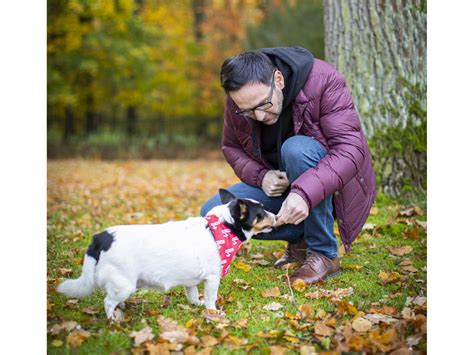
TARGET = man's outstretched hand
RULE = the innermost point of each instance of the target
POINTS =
(294, 210)
(274, 183)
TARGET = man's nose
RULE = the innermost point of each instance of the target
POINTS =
(259, 115)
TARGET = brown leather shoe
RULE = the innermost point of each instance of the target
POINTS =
(294, 253)
(315, 268)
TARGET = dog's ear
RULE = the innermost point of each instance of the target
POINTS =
(239, 210)
(226, 196)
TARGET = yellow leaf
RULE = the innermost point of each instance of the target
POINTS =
(243, 266)
(299, 285)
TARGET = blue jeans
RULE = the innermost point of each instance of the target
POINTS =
(298, 153)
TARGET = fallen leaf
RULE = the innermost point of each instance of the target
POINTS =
(214, 315)
(352, 267)
(389, 277)
(413, 340)
(64, 271)
(299, 285)
(274, 306)
(368, 226)
(90, 310)
(399, 251)
(65, 326)
(76, 337)
(56, 343)
(376, 318)
(257, 256)
(208, 340)
(305, 310)
(322, 329)
(374, 211)
(178, 336)
(307, 350)
(142, 335)
(243, 266)
(346, 307)
(278, 350)
(241, 323)
(166, 324)
(271, 292)
(271, 334)
(422, 224)
(410, 212)
(409, 269)
(361, 325)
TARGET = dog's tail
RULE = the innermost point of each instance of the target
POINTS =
(85, 284)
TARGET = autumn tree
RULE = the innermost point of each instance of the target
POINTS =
(380, 47)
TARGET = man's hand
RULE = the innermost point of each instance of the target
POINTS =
(274, 183)
(294, 210)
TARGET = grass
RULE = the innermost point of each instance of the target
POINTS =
(87, 196)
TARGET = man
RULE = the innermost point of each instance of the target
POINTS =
(293, 137)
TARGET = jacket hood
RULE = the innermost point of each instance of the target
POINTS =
(295, 63)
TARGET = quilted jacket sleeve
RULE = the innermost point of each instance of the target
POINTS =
(340, 125)
(245, 167)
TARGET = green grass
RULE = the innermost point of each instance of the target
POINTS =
(71, 225)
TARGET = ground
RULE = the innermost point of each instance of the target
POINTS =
(377, 304)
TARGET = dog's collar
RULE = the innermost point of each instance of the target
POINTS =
(228, 242)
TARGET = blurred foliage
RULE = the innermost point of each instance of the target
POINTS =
(143, 68)
(293, 23)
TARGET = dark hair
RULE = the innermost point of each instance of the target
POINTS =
(246, 67)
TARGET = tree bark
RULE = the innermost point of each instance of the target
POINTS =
(380, 48)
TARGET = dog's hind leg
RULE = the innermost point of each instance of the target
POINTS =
(211, 287)
(118, 289)
(192, 294)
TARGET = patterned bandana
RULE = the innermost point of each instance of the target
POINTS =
(227, 242)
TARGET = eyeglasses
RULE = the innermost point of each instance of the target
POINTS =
(261, 107)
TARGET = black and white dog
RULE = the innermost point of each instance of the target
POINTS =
(178, 253)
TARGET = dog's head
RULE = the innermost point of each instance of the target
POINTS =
(247, 215)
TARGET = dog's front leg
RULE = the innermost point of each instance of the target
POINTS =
(211, 287)
(192, 294)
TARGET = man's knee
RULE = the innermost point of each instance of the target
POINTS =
(297, 148)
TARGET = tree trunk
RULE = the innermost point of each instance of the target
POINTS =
(380, 48)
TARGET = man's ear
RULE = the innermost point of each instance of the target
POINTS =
(239, 210)
(226, 196)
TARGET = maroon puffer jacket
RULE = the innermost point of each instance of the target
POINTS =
(324, 110)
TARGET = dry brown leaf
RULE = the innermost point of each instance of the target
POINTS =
(361, 325)
(65, 326)
(399, 251)
(241, 323)
(179, 336)
(389, 277)
(322, 329)
(271, 292)
(214, 315)
(274, 306)
(64, 271)
(90, 310)
(307, 350)
(157, 349)
(142, 335)
(76, 337)
(278, 350)
(305, 310)
(209, 340)
(374, 211)
(410, 212)
(167, 324)
(346, 307)
(409, 269)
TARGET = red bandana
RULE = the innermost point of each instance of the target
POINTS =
(227, 242)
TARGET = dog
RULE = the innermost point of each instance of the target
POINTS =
(123, 258)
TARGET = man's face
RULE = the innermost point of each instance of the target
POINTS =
(254, 95)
